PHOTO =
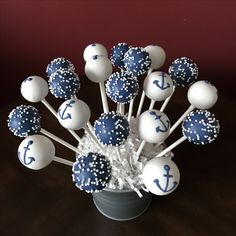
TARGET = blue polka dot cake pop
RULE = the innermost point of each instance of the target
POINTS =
(92, 172)
(122, 87)
(24, 121)
(137, 61)
(200, 127)
(117, 54)
(59, 63)
(183, 71)
(64, 84)
(111, 129)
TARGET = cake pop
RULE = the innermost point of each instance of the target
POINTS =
(59, 63)
(161, 176)
(117, 54)
(98, 69)
(94, 49)
(199, 127)
(111, 129)
(92, 172)
(137, 61)
(157, 87)
(64, 84)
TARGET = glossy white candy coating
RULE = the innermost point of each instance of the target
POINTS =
(74, 114)
(34, 88)
(157, 56)
(36, 152)
(158, 86)
(94, 49)
(98, 68)
(161, 176)
(153, 126)
(202, 94)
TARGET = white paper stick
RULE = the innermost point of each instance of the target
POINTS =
(140, 104)
(122, 109)
(104, 97)
(172, 146)
(167, 100)
(59, 140)
(75, 136)
(152, 103)
(176, 124)
(140, 149)
(131, 106)
(63, 161)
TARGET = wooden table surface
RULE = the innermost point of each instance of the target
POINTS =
(46, 202)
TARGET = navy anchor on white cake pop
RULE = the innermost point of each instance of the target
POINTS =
(62, 114)
(168, 176)
(27, 160)
(162, 85)
(164, 127)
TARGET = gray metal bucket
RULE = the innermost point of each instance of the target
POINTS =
(121, 205)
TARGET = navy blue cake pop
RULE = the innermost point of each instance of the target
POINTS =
(117, 54)
(92, 172)
(24, 121)
(64, 84)
(122, 87)
(183, 71)
(137, 61)
(200, 127)
(111, 129)
(59, 63)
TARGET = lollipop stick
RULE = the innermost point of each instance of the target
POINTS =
(140, 104)
(122, 109)
(167, 100)
(151, 105)
(63, 161)
(172, 146)
(131, 105)
(104, 97)
(75, 136)
(176, 124)
(61, 141)
(140, 149)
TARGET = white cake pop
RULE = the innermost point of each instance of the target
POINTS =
(94, 49)
(74, 114)
(161, 176)
(157, 56)
(153, 126)
(98, 68)
(202, 94)
(36, 152)
(34, 88)
(158, 86)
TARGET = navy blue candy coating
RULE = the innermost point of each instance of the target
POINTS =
(117, 54)
(64, 84)
(111, 129)
(24, 121)
(200, 127)
(183, 71)
(59, 63)
(137, 61)
(92, 172)
(122, 87)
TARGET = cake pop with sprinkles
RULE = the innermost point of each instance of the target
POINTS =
(137, 61)
(111, 129)
(117, 54)
(64, 84)
(92, 172)
(122, 87)
(183, 71)
(24, 121)
(59, 63)
(94, 49)
(200, 127)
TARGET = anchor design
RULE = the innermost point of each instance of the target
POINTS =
(168, 176)
(162, 85)
(68, 115)
(164, 127)
(28, 79)
(26, 159)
